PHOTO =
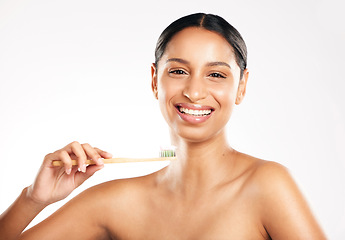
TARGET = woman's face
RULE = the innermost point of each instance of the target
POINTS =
(197, 84)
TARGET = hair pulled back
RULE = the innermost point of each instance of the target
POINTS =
(209, 22)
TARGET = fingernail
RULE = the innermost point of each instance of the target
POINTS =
(83, 168)
(100, 161)
(68, 171)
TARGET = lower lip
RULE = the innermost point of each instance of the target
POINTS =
(193, 119)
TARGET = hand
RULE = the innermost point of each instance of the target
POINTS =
(55, 183)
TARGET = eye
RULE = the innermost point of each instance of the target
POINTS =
(178, 72)
(217, 75)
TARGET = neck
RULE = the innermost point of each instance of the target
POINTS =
(199, 165)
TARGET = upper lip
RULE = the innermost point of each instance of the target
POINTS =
(194, 106)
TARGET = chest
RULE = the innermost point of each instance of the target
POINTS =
(208, 218)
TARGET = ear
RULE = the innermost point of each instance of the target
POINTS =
(154, 80)
(241, 91)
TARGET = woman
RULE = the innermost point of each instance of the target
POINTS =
(210, 192)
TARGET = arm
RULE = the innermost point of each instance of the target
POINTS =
(84, 217)
(286, 214)
(51, 185)
(15, 219)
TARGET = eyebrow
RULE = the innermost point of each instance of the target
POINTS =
(180, 60)
(210, 64)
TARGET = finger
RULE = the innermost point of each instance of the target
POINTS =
(61, 156)
(48, 159)
(76, 149)
(64, 157)
(103, 154)
(92, 154)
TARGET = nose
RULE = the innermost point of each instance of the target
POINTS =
(195, 89)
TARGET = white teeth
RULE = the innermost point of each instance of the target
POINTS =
(194, 112)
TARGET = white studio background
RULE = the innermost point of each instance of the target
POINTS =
(80, 70)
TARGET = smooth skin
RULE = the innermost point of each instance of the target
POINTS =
(210, 192)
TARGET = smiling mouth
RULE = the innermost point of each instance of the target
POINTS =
(193, 112)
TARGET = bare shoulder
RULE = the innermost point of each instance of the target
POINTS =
(270, 180)
(120, 191)
(283, 210)
(273, 181)
(261, 172)
(95, 210)
(120, 201)
(270, 174)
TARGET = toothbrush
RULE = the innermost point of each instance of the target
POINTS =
(164, 155)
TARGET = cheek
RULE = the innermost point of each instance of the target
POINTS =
(162, 96)
(166, 91)
(168, 88)
(163, 92)
(225, 95)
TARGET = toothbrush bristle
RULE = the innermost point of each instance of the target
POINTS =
(167, 153)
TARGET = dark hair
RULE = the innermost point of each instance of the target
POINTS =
(209, 22)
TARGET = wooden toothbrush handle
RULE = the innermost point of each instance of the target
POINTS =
(57, 163)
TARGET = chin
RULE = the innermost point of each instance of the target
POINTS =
(195, 135)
